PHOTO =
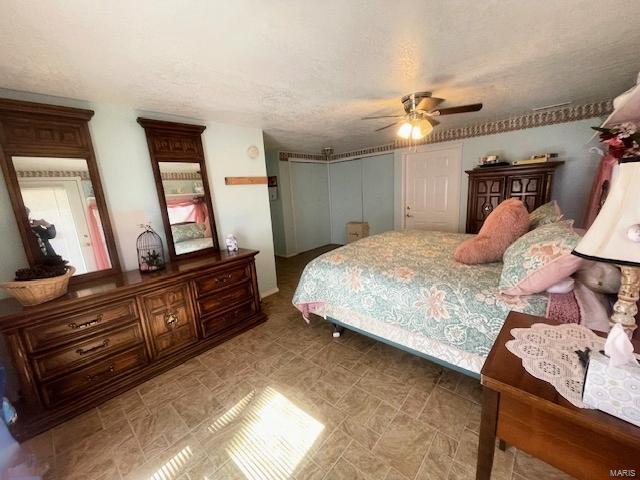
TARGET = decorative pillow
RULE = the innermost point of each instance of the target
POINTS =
(187, 231)
(540, 259)
(507, 222)
(548, 213)
(599, 277)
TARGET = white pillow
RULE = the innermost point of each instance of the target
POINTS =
(563, 286)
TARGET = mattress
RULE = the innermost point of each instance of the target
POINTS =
(405, 287)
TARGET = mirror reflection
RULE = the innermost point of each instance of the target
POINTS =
(62, 210)
(186, 206)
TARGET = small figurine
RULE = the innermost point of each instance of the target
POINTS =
(231, 242)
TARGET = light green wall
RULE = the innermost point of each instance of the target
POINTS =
(123, 162)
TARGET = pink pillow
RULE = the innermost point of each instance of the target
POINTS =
(508, 222)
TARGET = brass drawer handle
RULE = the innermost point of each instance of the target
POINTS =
(224, 278)
(104, 344)
(76, 326)
(171, 318)
(108, 371)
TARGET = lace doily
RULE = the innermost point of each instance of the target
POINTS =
(548, 353)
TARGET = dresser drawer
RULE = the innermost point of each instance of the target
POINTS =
(93, 348)
(225, 299)
(215, 324)
(76, 327)
(215, 281)
(86, 380)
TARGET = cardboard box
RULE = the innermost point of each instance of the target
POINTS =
(356, 231)
(615, 390)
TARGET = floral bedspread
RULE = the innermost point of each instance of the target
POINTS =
(410, 280)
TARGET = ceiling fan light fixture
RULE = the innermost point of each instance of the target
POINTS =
(416, 133)
(405, 130)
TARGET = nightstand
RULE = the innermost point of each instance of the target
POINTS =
(529, 414)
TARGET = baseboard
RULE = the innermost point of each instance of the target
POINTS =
(273, 291)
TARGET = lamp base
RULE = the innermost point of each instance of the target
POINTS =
(625, 309)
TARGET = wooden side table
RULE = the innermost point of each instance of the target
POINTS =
(529, 414)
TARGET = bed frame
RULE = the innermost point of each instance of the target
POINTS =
(339, 328)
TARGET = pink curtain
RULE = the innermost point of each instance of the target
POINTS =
(98, 244)
(187, 210)
(599, 189)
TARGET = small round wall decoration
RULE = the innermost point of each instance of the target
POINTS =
(253, 152)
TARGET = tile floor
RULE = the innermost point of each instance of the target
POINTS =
(286, 400)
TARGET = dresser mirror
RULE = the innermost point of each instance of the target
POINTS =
(61, 210)
(177, 160)
(186, 206)
(53, 182)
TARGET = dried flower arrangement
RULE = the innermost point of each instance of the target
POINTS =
(623, 140)
(48, 267)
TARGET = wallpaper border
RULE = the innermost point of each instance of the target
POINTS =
(573, 113)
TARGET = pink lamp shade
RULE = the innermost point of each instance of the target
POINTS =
(614, 236)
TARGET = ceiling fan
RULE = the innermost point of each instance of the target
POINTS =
(420, 109)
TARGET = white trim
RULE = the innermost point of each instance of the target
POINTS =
(305, 160)
(427, 148)
(271, 291)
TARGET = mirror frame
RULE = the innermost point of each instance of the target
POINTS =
(30, 129)
(179, 143)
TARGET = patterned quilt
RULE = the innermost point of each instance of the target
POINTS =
(410, 280)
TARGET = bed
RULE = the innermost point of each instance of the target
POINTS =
(405, 289)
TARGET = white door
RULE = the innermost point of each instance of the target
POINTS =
(432, 189)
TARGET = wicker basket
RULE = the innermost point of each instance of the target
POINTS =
(35, 292)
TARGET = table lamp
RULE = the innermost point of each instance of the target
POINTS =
(614, 237)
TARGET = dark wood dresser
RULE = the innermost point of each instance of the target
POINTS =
(491, 185)
(109, 335)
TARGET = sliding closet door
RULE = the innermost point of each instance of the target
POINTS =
(377, 197)
(346, 197)
(310, 199)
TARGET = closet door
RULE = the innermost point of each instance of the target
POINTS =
(310, 199)
(377, 186)
(346, 197)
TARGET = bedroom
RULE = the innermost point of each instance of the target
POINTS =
(156, 138)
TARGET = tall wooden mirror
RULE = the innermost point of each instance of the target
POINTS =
(178, 163)
(53, 181)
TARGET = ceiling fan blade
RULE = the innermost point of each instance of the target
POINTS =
(474, 107)
(381, 116)
(387, 126)
(432, 121)
(429, 103)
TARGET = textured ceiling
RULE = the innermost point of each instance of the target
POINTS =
(306, 71)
